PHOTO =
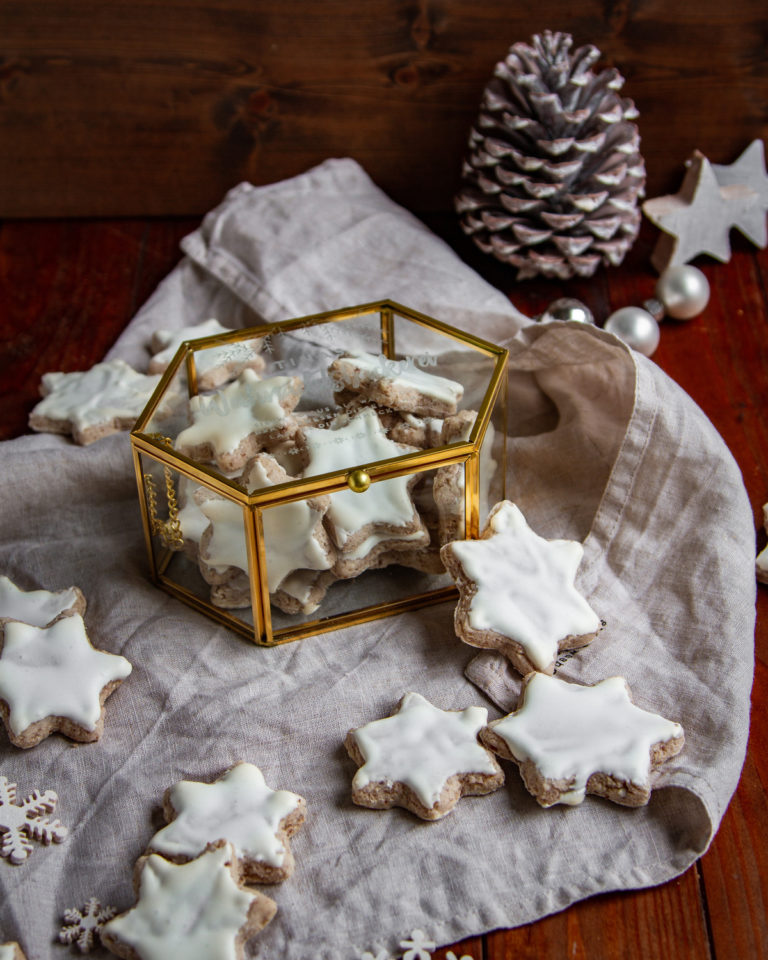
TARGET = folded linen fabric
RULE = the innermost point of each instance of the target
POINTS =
(603, 448)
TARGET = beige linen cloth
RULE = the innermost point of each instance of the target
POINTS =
(605, 449)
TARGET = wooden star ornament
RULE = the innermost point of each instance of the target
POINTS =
(749, 171)
(699, 218)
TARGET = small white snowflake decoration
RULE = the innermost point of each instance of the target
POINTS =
(83, 927)
(419, 947)
(20, 823)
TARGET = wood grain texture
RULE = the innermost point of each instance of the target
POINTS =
(68, 288)
(141, 108)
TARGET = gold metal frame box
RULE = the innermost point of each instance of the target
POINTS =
(301, 476)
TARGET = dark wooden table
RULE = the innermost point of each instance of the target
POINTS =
(67, 289)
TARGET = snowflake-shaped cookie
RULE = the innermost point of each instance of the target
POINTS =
(194, 909)
(92, 403)
(517, 593)
(238, 807)
(422, 758)
(84, 927)
(231, 426)
(38, 608)
(570, 740)
(52, 679)
(21, 823)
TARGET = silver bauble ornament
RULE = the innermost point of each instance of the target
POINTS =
(636, 327)
(567, 308)
(684, 291)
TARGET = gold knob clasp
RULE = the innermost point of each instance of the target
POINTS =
(358, 481)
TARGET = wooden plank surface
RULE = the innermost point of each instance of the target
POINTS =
(147, 108)
(67, 288)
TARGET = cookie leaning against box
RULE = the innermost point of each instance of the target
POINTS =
(53, 680)
(517, 593)
(569, 740)
(238, 807)
(422, 758)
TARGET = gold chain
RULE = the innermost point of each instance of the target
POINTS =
(168, 530)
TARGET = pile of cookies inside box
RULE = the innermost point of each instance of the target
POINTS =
(259, 417)
(252, 432)
(517, 595)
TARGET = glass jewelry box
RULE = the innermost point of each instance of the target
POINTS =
(301, 476)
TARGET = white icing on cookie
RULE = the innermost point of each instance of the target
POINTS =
(246, 406)
(239, 808)
(355, 370)
(108, 391)
(192, 911)
(290, 540)
(525, 585)
(360, 441)
(35, 607)
(571, 731)
(54, 672)
(193, 522)
(169, 342)
(422, 747)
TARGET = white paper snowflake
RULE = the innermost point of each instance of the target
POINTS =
(20, 823)
(84, 927)
(418, 947)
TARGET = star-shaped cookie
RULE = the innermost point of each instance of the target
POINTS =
(231, 425)
(422, 758)
(517, 593)
(238, 807)
(194, 909)
(698, 218)
(570, 740)
(383, 518)
(93, 403)
(52, 679)
(294, 536)
(38, 608)
(214, 366)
